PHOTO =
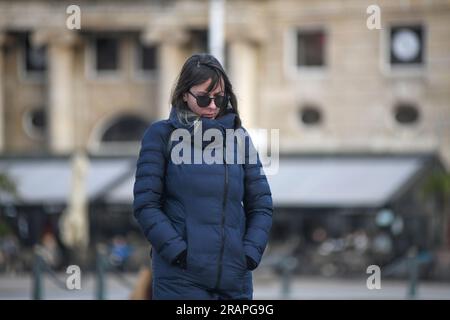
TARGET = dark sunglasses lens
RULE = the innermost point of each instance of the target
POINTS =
(203, 101)
(220, 101)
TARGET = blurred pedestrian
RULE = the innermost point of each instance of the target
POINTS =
(120, 252)
(50, 249)
(143, 288)
(9, 252)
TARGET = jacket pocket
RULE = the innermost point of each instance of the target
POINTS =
(197, 257)
(176, 213)
(244, 258)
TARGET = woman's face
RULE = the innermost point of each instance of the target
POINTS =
(211, 110)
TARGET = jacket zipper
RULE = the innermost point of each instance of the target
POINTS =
(224, 202)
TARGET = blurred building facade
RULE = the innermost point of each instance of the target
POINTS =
(313, 69)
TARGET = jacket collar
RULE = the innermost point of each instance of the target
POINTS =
(226, 121)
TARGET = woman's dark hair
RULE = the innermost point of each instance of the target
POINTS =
(198, 69)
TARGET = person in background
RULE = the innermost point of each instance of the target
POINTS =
(120, 252)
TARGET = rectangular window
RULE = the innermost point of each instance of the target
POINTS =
(106, 53)
(199, 40)
(35, 57)
(147, 57)
(406, 45)
(310, 48)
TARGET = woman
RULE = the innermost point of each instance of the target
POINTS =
(208, 224)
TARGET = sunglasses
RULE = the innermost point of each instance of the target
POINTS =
(204, 100)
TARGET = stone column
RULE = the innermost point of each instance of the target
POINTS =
(171, 56)
(243, 65)
(60, 113)
(243, 73)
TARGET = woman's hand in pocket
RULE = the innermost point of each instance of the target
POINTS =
(181, 260)
(251, 264)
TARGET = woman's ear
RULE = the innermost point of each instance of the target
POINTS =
(185, 97)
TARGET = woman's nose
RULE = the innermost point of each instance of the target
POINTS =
(212, 104)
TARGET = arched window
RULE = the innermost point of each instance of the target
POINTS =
(128, 128)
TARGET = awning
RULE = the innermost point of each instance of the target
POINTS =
(342, 181)
(302, 181)
(48, 180)
(328, 181)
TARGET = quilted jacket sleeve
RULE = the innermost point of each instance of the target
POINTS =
(257, 205)
(148, 189)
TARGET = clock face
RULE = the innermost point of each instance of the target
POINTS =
(406, 45)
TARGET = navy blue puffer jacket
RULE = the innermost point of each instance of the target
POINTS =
(220, 213)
